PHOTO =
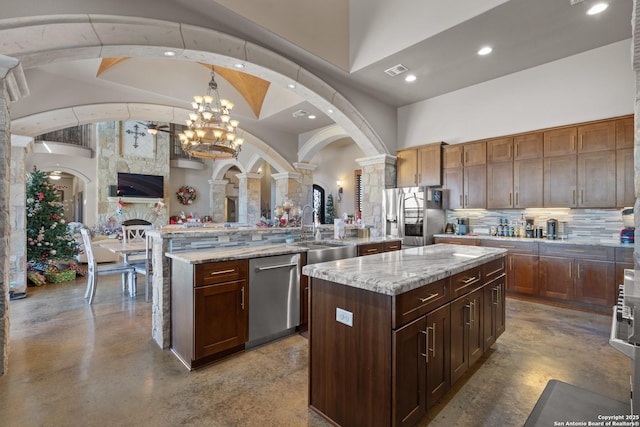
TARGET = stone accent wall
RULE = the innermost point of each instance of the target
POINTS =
(5, 162)
(110, 162)
(218, 191)
(249, 198)
(305, 190)
(289, 185)
(635, 47)
(20, 146)
(378, 174)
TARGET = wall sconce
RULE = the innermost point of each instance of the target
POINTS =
(340, 191)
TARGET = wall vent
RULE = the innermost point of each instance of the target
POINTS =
(299, 113)
(396, 69)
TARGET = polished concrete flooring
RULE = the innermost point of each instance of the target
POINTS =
(72, 364)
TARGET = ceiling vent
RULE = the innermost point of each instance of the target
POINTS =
(299, 113)
(575, 2)
(396, 69)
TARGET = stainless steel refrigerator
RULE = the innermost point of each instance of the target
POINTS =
(414, 214)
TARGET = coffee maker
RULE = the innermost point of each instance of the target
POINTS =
(529, 228)
(552, 229)
(462, 226)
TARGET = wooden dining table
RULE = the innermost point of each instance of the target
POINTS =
(124, 249)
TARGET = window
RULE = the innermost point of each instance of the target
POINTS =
(359, 191)
(318, 204)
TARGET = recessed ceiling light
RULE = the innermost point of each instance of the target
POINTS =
(239, 65)
(485, 51)
(597, 8)
(330, 111)
(410, 78)
(311, 116)
(291, 86)
(169, 53)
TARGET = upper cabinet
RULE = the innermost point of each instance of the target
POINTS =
(465, 175)
(475, 153)
(453, 156)
(560, 142)
(420, 166)
(625, 131)
(597, 137)
(528, 146)
(500, 150)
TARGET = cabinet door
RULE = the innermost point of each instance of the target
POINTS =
(452, 156)
(556, 277)
(392, 246)
(560, 142)
(438, 348)
(453, 183)
(528, 146)
(475, 154)
(494, 311)
(369, 249)
(500, 150)
(522, 271)
(625, 192)
(430, 165)
(528, 183)
(595, 282)
(409, 372)
(597, 137)
(500, 185)
(597, 180)
(476, 325)
(560, 182)
(625, 131)
(460, 318)
(475, 187)
(221, 318)
(458, 241)
(406, 167)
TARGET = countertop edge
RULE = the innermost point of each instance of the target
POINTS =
(574, 241)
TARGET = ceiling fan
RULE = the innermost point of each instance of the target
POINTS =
(155, 127)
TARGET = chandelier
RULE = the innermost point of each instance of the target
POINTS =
(211, 132)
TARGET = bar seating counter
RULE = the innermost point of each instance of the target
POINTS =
(390, 333)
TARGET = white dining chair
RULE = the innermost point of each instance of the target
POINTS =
(144, 267)
(135, 233)
(94, 270)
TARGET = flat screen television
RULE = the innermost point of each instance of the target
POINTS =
(138, 185)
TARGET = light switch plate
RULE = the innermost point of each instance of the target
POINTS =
(344, 316)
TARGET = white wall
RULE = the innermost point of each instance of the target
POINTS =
(198, 179)
(592, 85)
(337, 162)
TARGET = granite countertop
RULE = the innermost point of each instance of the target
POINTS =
(393, 273)
(216, 229)
(570, 241)
(227, 253)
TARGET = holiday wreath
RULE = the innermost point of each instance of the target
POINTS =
(186, 194)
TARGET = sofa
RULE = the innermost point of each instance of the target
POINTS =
(101, 254)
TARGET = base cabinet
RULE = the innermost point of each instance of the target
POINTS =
(209, 310)
(466, 332)
(494, 312)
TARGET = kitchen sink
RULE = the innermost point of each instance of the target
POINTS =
(327, 251)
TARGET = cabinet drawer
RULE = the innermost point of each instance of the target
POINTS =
(415, 303)
(624, 255)
(465, 282)
(369, 249)
(493, 269)
(392, 246)
(578, 251)
(513, 247)
(220, 272)
(458, 241)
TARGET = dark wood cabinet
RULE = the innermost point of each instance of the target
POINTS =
(560, 181)
(421, 166)
(438, 347)
(369, 249)
(458, 240)
(596, 179)
(625, 133)
(500, 185)
(528, 183)
(500, 150)
(595, 281)
(625, 173)
(475, 153)
(209, 310)
(452, 181)
(475, 187)
(453, 156)
(395, 245)
(555, 278)
(465, 175)
(466, 332)
(521, 265)
(304, 295)
(494, 320)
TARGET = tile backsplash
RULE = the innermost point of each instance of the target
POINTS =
(581, 223)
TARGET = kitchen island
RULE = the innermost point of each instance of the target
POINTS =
(390, 333)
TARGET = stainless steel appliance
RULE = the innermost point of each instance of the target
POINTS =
(274, 297)
(552, 229)
(413, 214)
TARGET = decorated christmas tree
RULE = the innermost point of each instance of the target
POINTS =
(330, 213)
(48, 239)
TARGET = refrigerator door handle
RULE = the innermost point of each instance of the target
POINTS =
(400, 215)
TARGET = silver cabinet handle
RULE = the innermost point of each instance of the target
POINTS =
(432, 296)
(426, 346)
(469, 307)
(242, 298)
(273, 267)
(433, 340)
(215, 273)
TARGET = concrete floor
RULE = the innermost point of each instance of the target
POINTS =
(71, 364)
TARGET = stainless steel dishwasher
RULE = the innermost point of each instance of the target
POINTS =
(274, 297)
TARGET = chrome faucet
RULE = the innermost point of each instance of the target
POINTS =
(304, 227)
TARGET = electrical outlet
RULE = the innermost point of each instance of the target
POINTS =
(223, 239)
(344, 316)
(256, 237)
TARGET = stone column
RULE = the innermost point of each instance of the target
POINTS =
(249, 198)
(305, 188)
(378, 174)
(13, 86)
(288, 185)
(20, 146)
(635, 59)
(218, 191)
